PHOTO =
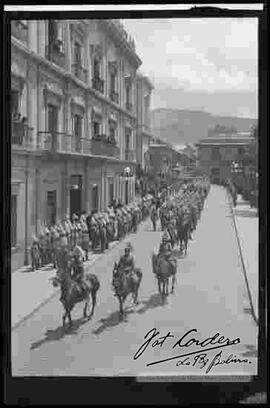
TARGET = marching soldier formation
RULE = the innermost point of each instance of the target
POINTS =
(88, 232)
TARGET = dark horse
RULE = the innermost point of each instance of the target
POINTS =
(125, 284)
(163, 271)
(72, 292)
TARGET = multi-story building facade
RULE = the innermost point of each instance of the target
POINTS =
(223, 155)
(73, 102)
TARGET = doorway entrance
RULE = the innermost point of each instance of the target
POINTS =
(95, 197)
(75, 195)
(51, 206)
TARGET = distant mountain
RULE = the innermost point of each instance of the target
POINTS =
(179, 127)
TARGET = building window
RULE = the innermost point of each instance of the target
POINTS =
(111, 191)
(112, 131)
(113, 82)
(52, 118)
(15, 96)
(96, 129)
(240, 151)
(77, 126)
(51, 206)
(127, 140)
(215, 153)
(128, 97)
(77, 54)
(13, 220)
(77, 130)
(95, 197)
(97, 68)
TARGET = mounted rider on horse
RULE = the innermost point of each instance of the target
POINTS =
(127, 261)
(165, 251)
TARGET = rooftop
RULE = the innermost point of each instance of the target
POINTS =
(241, 138)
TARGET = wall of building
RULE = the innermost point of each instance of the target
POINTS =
(41, 82)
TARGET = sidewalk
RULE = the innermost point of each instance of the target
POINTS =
(32, 289)
(247, 225)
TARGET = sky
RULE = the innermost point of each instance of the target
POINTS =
(206, 64)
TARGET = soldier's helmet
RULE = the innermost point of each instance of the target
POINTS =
(128, 246)
(75, 217)
(78, 252)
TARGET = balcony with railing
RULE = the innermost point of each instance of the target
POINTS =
(55, 54)
(98, 84)
(21, 134)
(61, 142)
(129, 106)
(79, 72)
(102, 146)
(130, 155)
(19, 29)
(114, 96)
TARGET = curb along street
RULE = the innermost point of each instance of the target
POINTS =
(243, 262)
(113, 244)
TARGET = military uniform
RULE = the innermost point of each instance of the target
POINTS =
(127, 263)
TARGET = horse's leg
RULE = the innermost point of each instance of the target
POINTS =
(69, 318)
(173, 283)
(64, 318)
(85, 308)
(166, 287)
(94, 299)
(121, 312)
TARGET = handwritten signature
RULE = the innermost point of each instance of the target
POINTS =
(199, 357)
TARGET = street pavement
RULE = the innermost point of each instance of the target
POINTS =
(210, 297)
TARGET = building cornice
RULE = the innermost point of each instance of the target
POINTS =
(111, 27)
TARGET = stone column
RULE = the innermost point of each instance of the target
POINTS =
(68, 45)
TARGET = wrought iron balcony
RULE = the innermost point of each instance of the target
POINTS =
(79, 72)
(53, 53)
(130, 155)
(129, 106)
(98, 84)
(114, 96)
(21, 134)
(19, 30)
(104, 148)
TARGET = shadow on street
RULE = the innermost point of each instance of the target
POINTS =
(111, 321)
(154, 301)
(59, 333)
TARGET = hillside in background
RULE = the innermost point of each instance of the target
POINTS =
(179, 127)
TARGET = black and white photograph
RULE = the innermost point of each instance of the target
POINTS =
(134, 212)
